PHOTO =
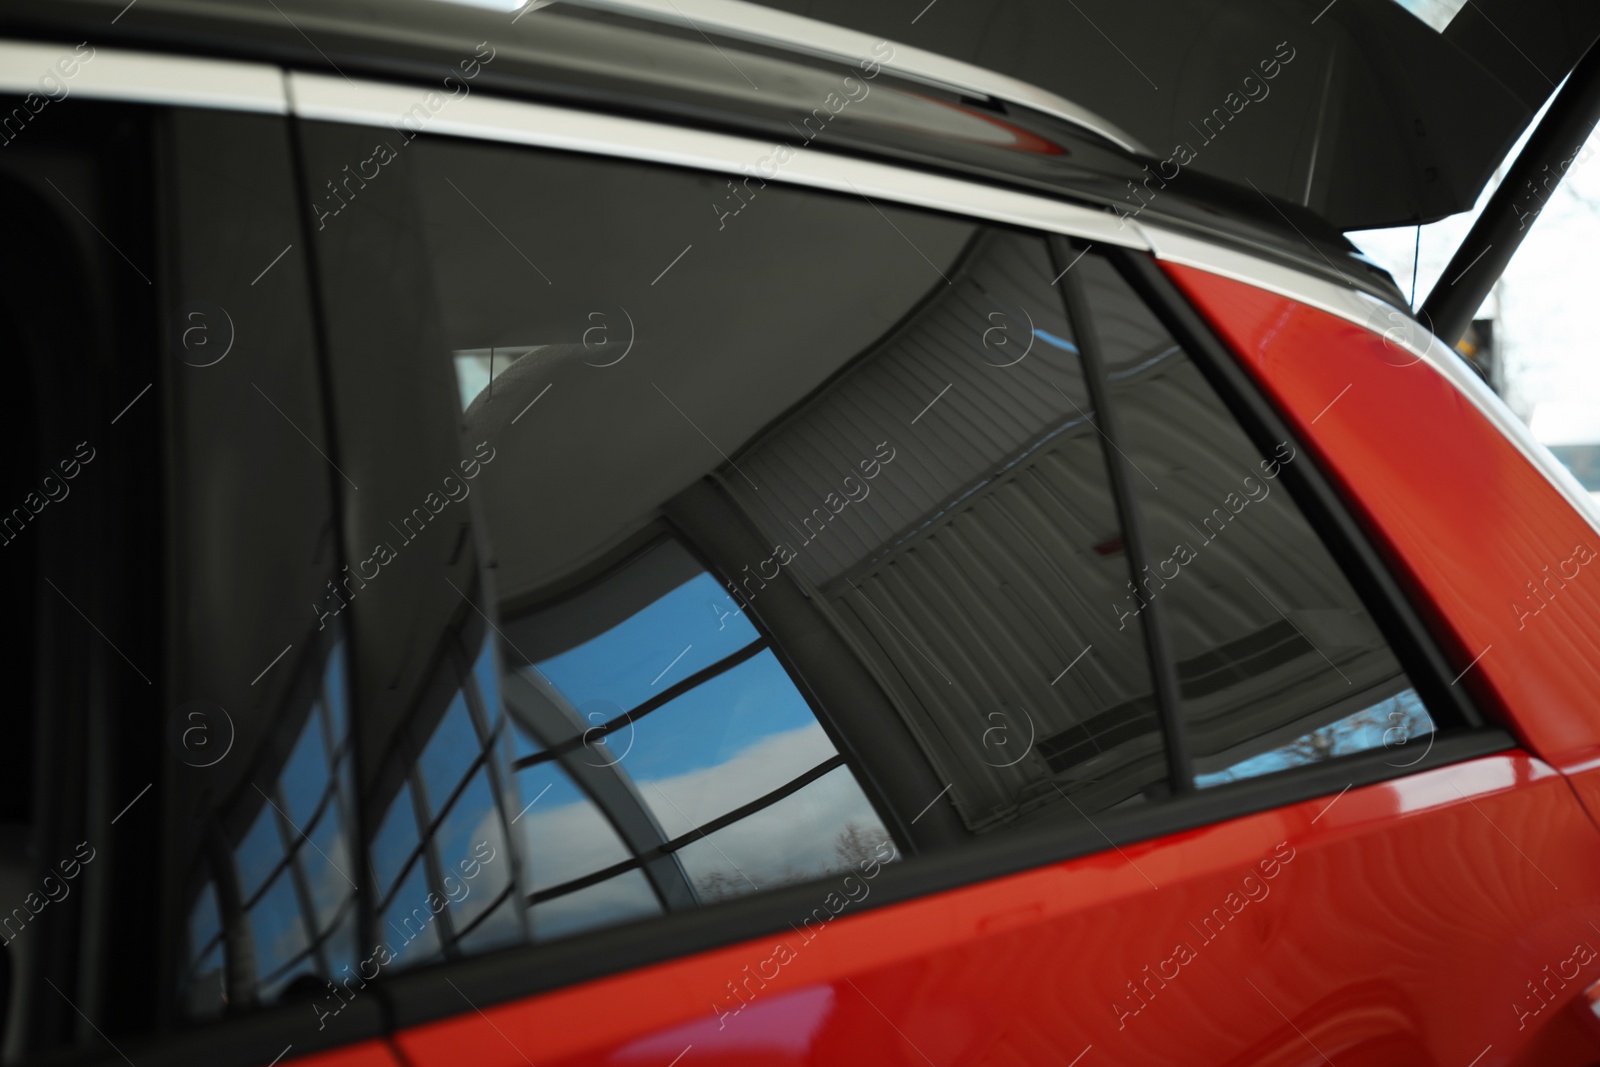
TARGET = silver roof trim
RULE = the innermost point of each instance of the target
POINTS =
(368, 103)
(795, 33)
(140, 77)
(1395, 325)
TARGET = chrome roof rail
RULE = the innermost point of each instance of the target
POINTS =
(795, 33)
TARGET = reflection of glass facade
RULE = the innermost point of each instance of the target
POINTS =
(291, 874)
(443, 879)
(669, 759)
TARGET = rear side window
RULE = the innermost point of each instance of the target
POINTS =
(737, 551)
(1278, 663)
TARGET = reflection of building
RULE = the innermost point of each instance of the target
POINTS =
(280, 903)
(664, 750)
(621, 780)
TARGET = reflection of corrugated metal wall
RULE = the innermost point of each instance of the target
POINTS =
(988, 554)
(973, 562)
(1259, 575)
(988, 413)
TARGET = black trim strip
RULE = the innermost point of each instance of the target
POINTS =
(1153, 621)
(667, 848)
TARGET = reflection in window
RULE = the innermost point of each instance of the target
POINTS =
(440, 861)
(1390, 724)
(708, 776)
(981, 547)
(1278, 661)
(291, 869)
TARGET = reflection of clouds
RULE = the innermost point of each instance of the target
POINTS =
(566, 842)
(792, 840)
(795, 837)
(684, 801)
(276, 924)
(627, 896)
(329, 887)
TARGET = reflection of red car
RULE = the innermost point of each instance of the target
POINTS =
(828, 594)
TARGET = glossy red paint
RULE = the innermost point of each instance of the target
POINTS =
(1396, 924)
(1481, 534)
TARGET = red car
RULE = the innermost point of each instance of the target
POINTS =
(634, 533)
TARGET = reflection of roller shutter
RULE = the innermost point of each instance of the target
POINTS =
(987, 554)
(1271, 641)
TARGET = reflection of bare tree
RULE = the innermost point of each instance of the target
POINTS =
(719, 885)
(1337, 738)
(854, 848)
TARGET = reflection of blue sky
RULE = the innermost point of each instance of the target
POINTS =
(409, 923)
(275, 922)
(306, 775)
(449, 752)
(333, 689)
(1360, 732)
(326, 867)
(260, 851)
(487, 675)
(395, 840)
(473, 821)
(714, 722)
(625, 665)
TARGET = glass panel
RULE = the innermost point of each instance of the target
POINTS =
(725, 743)
(278, 926)
(563, 834)
(818, 831)
(396, 840)
(204, 923)
(619, 899)
(448, 755)
(663, 642)
(325, 860)
(1278, 660)
(472, 852)
(1389, 724)
(948, 499)
(306, 777)
(260, 852)
(410, 921)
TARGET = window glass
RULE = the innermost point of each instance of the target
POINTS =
(1278, 662)
(670, 771)
(966, 542)
(395, 842)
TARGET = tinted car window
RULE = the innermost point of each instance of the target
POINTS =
(775, 543)
(1278, 662)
